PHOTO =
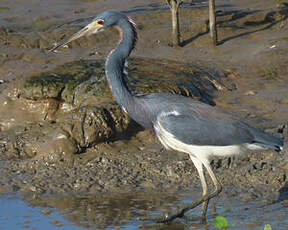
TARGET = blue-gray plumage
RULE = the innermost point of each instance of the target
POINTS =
(179, 122)
(210, 125)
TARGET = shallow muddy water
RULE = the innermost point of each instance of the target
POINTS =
(123, 212)
(17, 214)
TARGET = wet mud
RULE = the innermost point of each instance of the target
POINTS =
(65, 143)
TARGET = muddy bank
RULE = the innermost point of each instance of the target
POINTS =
(115, 183)
(119, 167)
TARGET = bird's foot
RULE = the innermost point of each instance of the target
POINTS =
(163, 218)
(179, 213)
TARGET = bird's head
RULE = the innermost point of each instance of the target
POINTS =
(102, 21)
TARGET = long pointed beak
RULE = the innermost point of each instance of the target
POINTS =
(87, 30)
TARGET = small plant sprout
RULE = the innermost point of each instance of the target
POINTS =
(267, 227)
(220, 222)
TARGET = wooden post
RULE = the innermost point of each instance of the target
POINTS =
(174, 8)
(212, 22)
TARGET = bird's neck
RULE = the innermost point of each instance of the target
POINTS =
(115, 63)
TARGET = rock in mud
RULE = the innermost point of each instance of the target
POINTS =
(90, 125)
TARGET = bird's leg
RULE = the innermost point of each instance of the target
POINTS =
(218, 186)
(180, 213)
(199, 166)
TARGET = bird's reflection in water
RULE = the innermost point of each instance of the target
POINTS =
(117, 210)
(176, 226)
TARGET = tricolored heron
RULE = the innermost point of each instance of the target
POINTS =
(179, 122)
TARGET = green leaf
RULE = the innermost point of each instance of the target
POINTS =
(267, 227)
(220, 222)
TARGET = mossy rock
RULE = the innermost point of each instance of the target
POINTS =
(63, 83)
(198, 82)
(79, 82)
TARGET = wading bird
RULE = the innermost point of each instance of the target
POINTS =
(180, 123)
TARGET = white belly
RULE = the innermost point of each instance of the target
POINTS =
(199, 151)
